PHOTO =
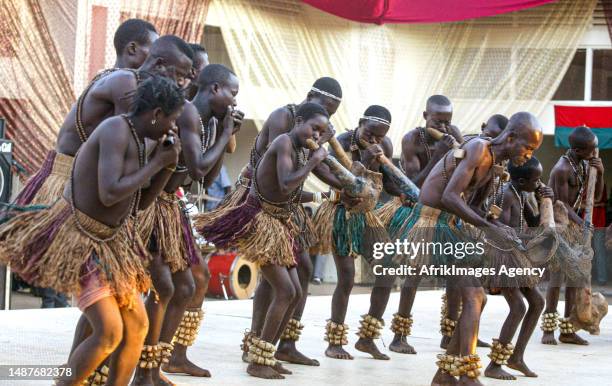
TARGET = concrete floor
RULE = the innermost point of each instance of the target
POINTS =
(44, 336)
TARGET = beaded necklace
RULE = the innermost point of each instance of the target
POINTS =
(134, 203)
(580, 173)
(80, 127)
(424, 143)
(522, 201)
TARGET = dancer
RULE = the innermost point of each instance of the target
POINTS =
(525, 179)
(180, 278)
(85, 245)
(327, 93)
(268, 231)
(132, 41)
(348, 227)
(568, 180)
(434, 219)
(420, 152)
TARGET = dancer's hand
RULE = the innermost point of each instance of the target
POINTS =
(348, 200)
(597, 164)
(317, 156)
(167, 155)
(444, 145)
(545, 192)
(329, 133)
(371, 153)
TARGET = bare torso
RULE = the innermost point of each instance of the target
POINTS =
(86, 175)
(107, 97)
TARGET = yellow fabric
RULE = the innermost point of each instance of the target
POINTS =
(501, 64)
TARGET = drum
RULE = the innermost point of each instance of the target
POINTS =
(231, 276)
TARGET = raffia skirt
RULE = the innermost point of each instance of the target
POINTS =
(347, 233)
(437, 233)
(263, 233)
(47, 249)
(47, 185)
(170, 232)
(393, 214)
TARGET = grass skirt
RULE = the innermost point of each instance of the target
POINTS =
(514, 258)
(47, 249)
(262, 233)
(306, 236)
(573, 257)
(430, 225)
(47, 185)
(393, 215)
(348, 233)
(171, 235)
(241, 190)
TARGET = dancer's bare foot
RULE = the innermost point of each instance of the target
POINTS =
(549, 338)
(400, 345)
(572, 338)
(481, 343)
(185, 366)
(519, 365)
(442, 378)
(280, 369)
(143, 378)
(288, 352)
(337, 352)
(368, 346)
(161, 380)
(496, 371)
(464, 380)
(261, 371)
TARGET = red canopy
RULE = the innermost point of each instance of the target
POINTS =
(419, 11)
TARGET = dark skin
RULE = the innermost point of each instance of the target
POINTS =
(472, 178)
(374, 135)
(135, 53)
(186, 289)
(278, 176)
(566, 186)
(206, 105)
(417, 166)
(278, 123)
(107, 175)
(199, 62)
(514, 296)
(110, 96)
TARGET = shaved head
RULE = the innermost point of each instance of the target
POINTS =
(525, 123)
(439, 103)
(522, 136)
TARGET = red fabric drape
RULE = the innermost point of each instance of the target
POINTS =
(419, 11)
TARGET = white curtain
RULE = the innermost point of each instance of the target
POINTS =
(501, 64)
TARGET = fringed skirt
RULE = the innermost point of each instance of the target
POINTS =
(262, 233)
(47, 185)
(437, 235)
(573, 257)
(347, 233)
(393, 215)
(306, 236)
(241, 189)
(172, 234)
(48, 249)
(509, 259)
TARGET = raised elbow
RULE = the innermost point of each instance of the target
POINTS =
(108, 199)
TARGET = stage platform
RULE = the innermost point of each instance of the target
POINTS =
(43, 337)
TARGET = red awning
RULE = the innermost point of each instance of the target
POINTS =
(419, 11)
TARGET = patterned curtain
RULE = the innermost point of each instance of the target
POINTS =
(50, 49)
(36, 90)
